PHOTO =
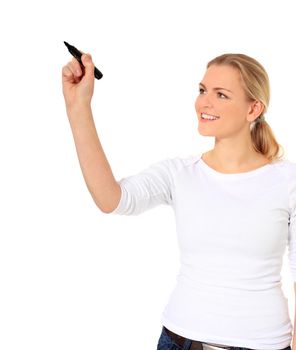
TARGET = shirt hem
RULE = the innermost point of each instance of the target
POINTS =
(218, 340)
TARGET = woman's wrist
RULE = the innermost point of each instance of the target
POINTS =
(80, 108)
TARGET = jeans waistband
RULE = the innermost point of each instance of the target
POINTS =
(195, 345)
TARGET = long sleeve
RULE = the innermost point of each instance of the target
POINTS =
(147, 189)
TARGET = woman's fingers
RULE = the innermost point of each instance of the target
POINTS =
(70, 73)
(76, 67)
(67, 73)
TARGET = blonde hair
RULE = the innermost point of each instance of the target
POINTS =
(255, 82)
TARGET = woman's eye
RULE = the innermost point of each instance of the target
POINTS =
(219, 93)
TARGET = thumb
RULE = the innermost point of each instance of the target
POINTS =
(88, 64)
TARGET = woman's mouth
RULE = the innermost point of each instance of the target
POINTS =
(208, 117)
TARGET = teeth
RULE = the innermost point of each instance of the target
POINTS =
(207, 116)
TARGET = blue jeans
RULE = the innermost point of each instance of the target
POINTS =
(165, 342)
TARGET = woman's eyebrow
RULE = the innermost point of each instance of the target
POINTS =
(216, 88)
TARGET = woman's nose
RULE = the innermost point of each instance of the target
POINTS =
(207, 100)
(204, 101)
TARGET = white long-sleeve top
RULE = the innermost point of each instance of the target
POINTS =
(232, 232)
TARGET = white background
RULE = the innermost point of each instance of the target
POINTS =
(72, 277)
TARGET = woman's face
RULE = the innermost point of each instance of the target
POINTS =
(221, 94)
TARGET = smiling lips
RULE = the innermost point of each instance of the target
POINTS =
(208, 117)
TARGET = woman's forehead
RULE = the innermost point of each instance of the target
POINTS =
(221, 76)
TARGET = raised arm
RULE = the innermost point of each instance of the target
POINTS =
(78, 87)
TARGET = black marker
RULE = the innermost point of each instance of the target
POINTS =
(77, 54)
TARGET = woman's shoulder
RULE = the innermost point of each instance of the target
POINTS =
(288, 164)
(180, 161)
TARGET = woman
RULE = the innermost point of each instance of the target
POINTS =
(235, 209)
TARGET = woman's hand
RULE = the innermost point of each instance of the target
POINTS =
(78, 82)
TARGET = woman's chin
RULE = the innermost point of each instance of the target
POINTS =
(204, 132)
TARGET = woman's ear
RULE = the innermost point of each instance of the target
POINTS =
(256, 109)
